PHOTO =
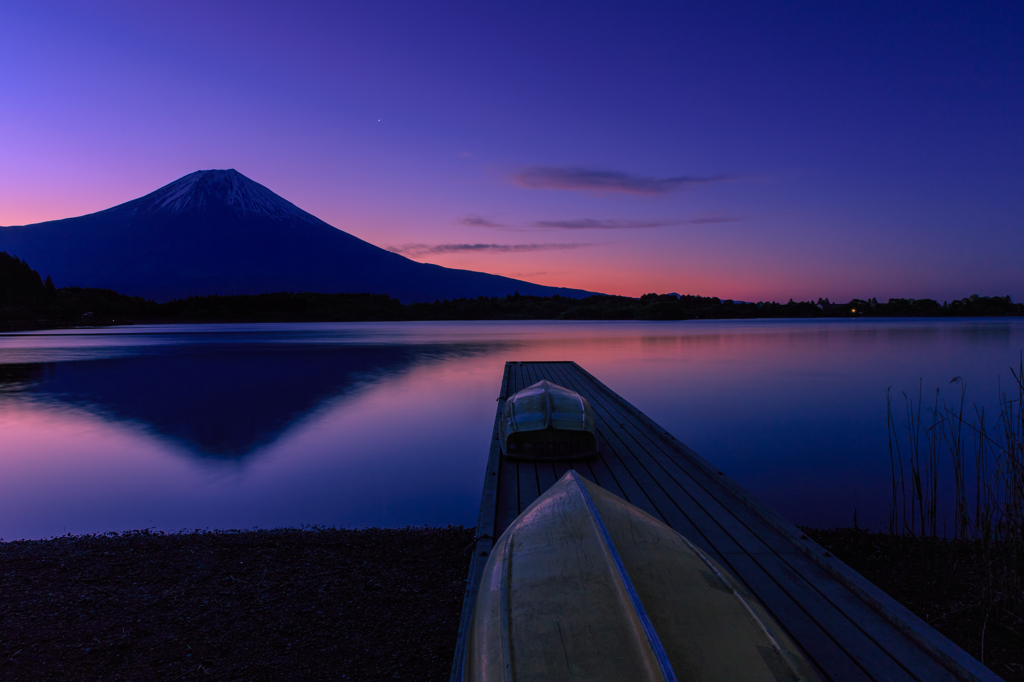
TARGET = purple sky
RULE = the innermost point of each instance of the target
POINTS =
(758, 151)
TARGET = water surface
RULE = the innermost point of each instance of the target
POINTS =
(355, 424)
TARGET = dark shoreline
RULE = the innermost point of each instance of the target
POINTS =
(314, 604)
(371, 604)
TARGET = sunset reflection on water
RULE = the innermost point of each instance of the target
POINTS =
(236, 426)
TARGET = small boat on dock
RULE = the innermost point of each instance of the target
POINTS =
(547, 421)
(585, 586)
(741, 594)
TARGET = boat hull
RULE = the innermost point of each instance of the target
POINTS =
(546, 421)
(585, 586)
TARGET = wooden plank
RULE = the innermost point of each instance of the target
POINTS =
(527, 377)
(600, 474)
(603, 476)
(530, 373)
(829, 657)
(545, 476)
(562, 468)
(631, 488)
(508, 496)
(584, 470)
(922, 637)
(529, 489)
(515, 377)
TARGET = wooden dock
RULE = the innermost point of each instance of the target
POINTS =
(848, 628)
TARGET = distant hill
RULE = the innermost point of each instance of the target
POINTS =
(218, 232)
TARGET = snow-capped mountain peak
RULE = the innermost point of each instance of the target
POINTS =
(209, 189)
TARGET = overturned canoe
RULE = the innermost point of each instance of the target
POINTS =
(585, 586)
(547, 421)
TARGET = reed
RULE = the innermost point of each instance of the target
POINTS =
(987, 503)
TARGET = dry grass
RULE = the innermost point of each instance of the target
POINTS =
(987, 467)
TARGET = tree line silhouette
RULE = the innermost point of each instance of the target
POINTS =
(27, 300)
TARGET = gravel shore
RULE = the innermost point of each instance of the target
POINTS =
(318, 604)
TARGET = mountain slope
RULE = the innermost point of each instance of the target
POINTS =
(218, 232)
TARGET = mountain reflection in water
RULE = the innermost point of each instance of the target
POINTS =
(224, 400)
(231, 426)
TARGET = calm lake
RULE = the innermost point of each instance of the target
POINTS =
(359, 424)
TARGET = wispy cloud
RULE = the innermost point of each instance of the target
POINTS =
(601, 181)
(592, 224)
(414, 250)
(480, 221)
(711, 218)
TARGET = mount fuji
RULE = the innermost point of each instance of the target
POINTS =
(218, 232)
